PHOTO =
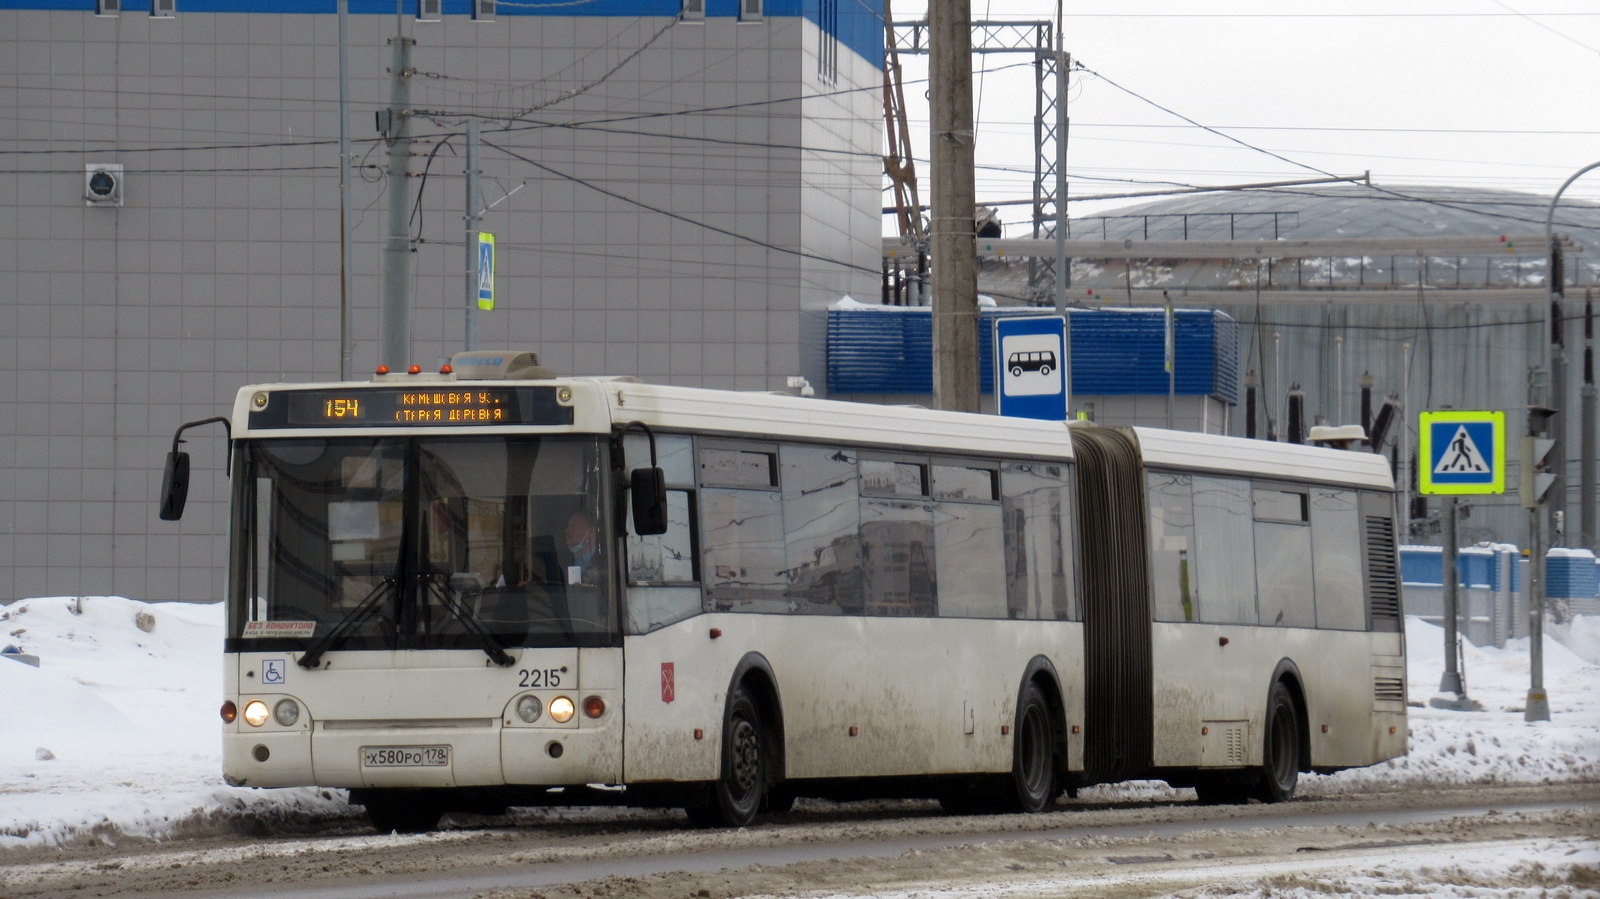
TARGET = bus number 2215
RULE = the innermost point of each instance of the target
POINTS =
(540, 677)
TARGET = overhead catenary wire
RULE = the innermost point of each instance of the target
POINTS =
(677, 216)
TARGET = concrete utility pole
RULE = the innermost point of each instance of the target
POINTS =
(954, 237)
(395, 321)
(1555, 354)
(1587, 439)
(471, 242)
(346, 266)
(1063, 274)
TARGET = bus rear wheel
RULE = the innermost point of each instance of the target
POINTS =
(735, 798)
(1280, 755)
(1033, 759)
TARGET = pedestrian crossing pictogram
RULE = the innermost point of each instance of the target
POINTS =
(1461, 456)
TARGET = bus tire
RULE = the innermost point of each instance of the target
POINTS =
(735, 798)
(1033, 758)
(1280, 750)
(393, 811)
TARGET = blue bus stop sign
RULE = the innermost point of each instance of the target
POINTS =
(1030, 366)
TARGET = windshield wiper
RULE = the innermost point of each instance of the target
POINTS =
(347, 625)
(474, 626)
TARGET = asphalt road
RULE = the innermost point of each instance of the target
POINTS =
(817, 848)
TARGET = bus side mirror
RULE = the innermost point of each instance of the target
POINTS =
(649, 501)
(175, 486)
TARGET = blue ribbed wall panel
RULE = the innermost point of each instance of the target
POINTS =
(1114, 352)
(1570, 577)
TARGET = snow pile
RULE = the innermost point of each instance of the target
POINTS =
(1494, 745)
(116, 733)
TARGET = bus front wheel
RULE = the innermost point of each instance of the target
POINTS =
(735, 798)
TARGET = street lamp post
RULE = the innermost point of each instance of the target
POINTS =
(1537, 708)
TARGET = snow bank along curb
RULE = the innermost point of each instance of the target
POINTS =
(115, 735)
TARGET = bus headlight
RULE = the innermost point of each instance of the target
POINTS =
(286, 712)
(255, 713)
(594, 706)
(529, 708)
(561, 709)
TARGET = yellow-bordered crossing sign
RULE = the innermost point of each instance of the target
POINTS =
(1462, 452)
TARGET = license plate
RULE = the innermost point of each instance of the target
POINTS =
(405, 756)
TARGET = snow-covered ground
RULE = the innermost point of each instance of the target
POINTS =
(116, 734)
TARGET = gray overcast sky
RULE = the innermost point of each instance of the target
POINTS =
(1476, 93)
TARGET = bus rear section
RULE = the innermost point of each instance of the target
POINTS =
(423, 610)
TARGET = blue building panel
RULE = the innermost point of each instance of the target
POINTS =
(860, 22)
(1114, 351)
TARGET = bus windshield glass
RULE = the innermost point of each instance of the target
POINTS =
(421, 543)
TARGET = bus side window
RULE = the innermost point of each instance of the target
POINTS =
(1286, 595)
(741, 532)
(1226, 550)
(968, 537)
(1336, 559)
(1173, 563)
(1036, 509)
(897, 543)
(663, 577)
(822, 529)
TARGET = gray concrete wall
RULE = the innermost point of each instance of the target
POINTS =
(662, 239)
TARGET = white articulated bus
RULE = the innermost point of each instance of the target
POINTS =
(494, 587)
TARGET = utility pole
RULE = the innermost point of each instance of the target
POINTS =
(1063, 270)
(471, 329)
(1556, 506)
(1587, 439)
(1405, 443)
(346, 267)
(954, 238)
(395, 321)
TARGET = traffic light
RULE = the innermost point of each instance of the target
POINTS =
(1536, 478)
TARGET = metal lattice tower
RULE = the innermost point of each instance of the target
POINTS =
(1035, 38)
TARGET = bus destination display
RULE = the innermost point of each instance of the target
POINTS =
(431, 406)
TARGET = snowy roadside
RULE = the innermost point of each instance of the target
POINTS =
(116, 734)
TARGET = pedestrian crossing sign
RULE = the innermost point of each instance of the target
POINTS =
(1462, 452)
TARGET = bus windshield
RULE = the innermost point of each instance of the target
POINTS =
(421, 543)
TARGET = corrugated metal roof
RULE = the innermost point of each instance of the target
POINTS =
(889, 350)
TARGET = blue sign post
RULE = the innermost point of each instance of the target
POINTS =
(485, 271)
(1030, 356)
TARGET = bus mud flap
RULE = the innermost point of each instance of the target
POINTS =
(1118, 687)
